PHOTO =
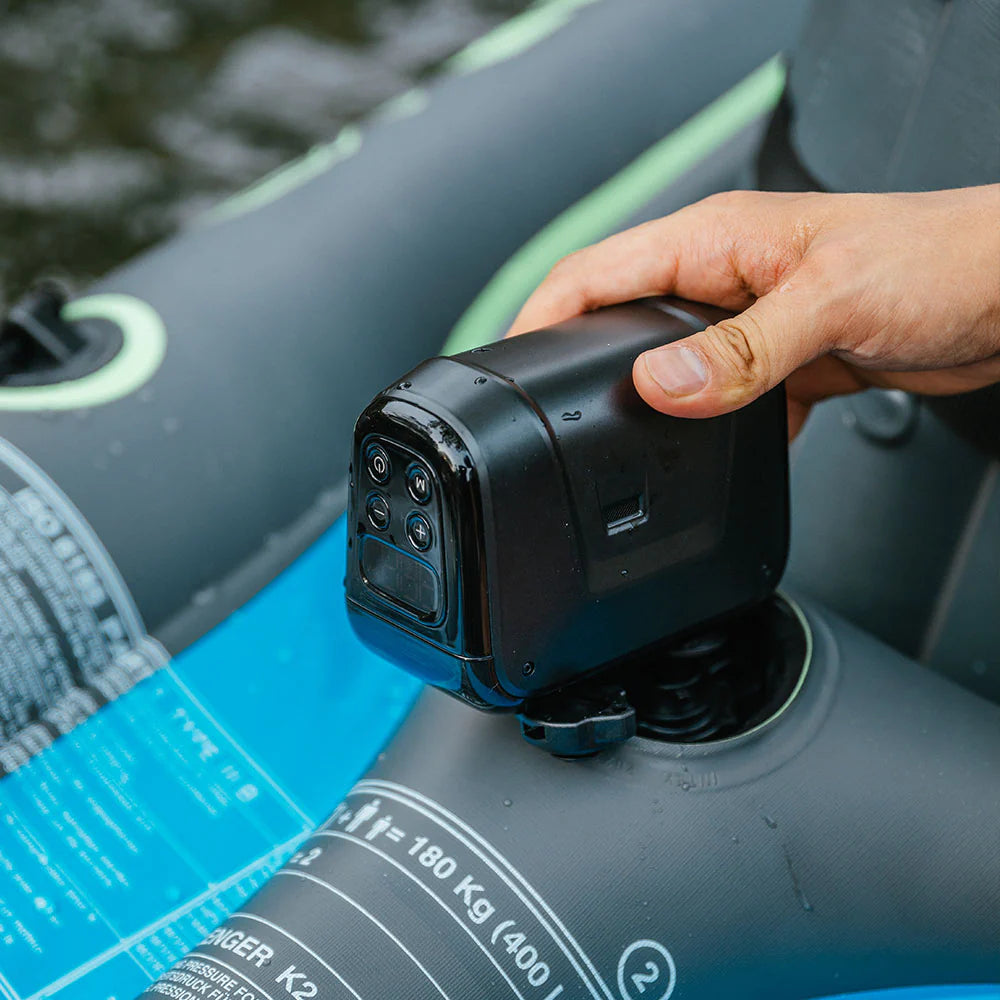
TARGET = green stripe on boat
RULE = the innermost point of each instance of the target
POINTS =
(288, 177)
(515, 36)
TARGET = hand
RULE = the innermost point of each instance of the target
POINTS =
(838, 292)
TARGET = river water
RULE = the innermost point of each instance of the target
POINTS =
(122, 119)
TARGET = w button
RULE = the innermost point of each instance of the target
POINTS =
(418, 482)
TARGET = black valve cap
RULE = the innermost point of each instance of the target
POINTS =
(579, 721)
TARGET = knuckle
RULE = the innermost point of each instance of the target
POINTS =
(566, 265)
(571, 281)
(735, 346)
(727, 199)
(556, 273)
(830, 264)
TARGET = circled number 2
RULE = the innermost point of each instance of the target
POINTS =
(646, 971)
(640, 980)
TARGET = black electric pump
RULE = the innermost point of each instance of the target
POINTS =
(528, 535)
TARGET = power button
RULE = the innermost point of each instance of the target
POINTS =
(377, 463)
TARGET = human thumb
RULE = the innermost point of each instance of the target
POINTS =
(731, 363)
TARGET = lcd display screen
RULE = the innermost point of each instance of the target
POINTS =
(401, 578)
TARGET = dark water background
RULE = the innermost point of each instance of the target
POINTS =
(120, 119)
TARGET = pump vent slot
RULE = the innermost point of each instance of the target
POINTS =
(624, 514)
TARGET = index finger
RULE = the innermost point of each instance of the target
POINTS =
(709, 251)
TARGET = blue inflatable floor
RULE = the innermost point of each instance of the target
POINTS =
(123, 844)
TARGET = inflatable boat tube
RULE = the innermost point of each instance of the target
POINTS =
(171, 555)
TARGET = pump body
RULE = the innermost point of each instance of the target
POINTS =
(521, 519)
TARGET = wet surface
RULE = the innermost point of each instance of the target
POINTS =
(122, 119)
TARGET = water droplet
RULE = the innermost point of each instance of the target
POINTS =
(770, 821)
(329, 498)
(508, 803)
(204, 597)
(624, 572)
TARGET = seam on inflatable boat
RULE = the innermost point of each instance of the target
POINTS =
(960, 558)
(600, 212)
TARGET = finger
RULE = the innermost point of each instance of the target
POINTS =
(797, 414)
(733, 362)
(939, 382)
(812, 383)
(825, 377)
(709, 251)
(818, 380)
(631, 265)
